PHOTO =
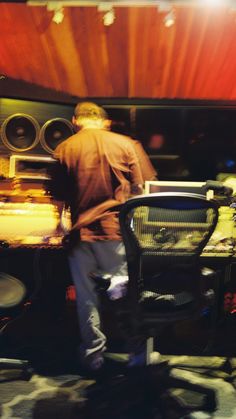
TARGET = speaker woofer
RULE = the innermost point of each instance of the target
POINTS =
(53, 132)
(20, 132)
(12, 291)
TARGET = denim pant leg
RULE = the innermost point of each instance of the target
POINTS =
(106, 256)
(82, 261)
(110, 256)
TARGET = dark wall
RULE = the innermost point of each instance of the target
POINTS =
(199, 137)
(203, 136)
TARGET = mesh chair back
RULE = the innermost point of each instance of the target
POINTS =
(164, 234)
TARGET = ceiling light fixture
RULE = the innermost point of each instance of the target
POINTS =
(58, 10)
(94, 3)
(169, 19)
(109, 18)
(109, 13)
(58, 16)
(164, 6)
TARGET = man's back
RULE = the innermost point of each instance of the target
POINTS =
(101, 167)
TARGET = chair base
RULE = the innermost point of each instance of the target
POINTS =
(145, 391)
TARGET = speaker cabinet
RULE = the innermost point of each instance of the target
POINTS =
(33, 127)
(44, 273)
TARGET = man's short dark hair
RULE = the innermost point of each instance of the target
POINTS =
(89, 110)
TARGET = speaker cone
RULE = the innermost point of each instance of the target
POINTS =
(53, 132)
(20, 132)
(12, 291)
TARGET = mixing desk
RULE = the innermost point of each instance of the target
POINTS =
(28, 217)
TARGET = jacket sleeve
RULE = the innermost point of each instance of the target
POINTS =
(136, 177)
(148, 171)
(58, 184)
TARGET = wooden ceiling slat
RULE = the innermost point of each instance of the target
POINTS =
(80, 38)
(137, 56)
(141, 74)
(13, 31)
(226, 82)
(37, 56)
(209, 48)
(230, 87)
(224, 49)
(150, 59)
(102, 34)
(132, 18)
(64, 56)
(99, 81)
(90, 43)
(117, 48)
(155, 65)
(196, 39)
(183, 25)
(139, 33)
(43, 21)
(170, 34)
(224, 75)
(160, 58)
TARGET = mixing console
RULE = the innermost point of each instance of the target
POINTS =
(28, 217)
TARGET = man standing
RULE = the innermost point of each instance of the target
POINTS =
(148, 171)
(96, 171)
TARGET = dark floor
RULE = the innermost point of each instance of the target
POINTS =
(59, 388)
(44, 334)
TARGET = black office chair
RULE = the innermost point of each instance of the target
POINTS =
(164, 235)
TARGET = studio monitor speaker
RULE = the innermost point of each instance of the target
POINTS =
(53, 132)
(32, 127)
(20, 132)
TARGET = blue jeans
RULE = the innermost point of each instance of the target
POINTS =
(86, 257)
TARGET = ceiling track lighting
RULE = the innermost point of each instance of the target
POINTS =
(163, 5)
(58, 16)
(169, 19)
(109, 13)
(167, 8)
(58, 10)
(109, 18)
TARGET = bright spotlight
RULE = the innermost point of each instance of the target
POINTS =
(109, 13)
(109, 18)
(58, 16)
(169, 19)
(58, 11)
